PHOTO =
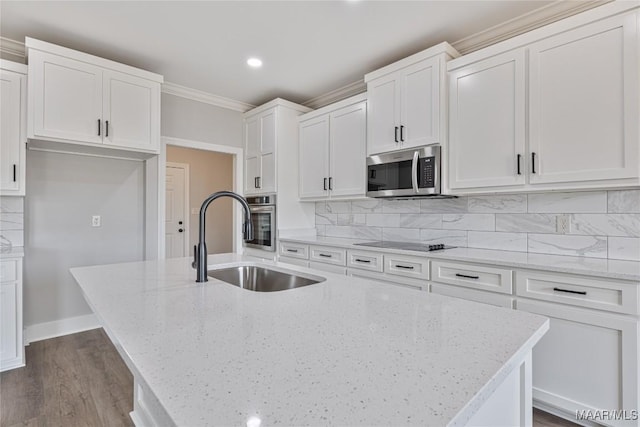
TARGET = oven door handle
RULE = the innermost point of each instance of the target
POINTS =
(414, 171)
(262, 209)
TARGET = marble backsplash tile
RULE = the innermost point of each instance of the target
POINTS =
(11, 221)
(603, 224)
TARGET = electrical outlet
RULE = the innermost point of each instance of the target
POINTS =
(96, 221)
(563, 224)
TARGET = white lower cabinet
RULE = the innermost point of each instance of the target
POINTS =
(587, 361)
(11, 342)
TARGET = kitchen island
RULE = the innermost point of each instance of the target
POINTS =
(345, 351)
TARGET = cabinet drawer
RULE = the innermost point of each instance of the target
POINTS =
(407, 266)
(295, 250)
(328, 255)
(473, 295)
(371, 261)
(294, 261)
(8, 270)
(602, 294)
(473, 276)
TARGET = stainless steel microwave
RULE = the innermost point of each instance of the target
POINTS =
(406, 173)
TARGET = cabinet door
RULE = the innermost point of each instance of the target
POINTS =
(347, 165)
(131, 111)
(584, 103)
(383, 115)
(10, 348)
(486, 122)
(251, 153)
(267, 182)
(314, 157)
(66, 97)
(420, 109)
(587, 360)
(11, 142)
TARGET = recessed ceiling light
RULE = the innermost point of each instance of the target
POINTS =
(254, 62)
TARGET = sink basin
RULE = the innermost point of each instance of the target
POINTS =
(262, 279)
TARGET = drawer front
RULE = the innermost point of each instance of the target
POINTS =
(294, 250)
(294, 261)
(602, 294)
(371, 261)
(387, 279)
(407, 266)
(328, 255)
(473, 276)
(9, 270)
(473, 295)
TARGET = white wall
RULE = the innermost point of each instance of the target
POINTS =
(187, 119)
(63, 192)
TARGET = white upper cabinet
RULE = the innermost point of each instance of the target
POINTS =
(260, 149)
(553, 109)
(333, 150)
(130, 107)
(82, 99)
(487, 112)
(406, 106)
(271, 148)
(583, 87)
(13, 87)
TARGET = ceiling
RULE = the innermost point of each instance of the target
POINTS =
(308, 48)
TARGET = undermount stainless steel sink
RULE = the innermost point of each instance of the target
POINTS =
(262, 279)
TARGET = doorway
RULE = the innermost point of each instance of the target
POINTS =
(207, 168)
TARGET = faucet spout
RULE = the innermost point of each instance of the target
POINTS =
(200, 251)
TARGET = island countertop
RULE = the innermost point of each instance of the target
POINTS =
(345, 351)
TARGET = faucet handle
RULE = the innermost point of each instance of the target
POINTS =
(248, 231)
(195, 256)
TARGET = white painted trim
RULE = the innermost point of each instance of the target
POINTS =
(333, 107)
(205, 97)
(58, 328)
(336, 95)
(529, 21)
(16, 67)
(12, 47)
(278, 102)
(238, 184)
(187, 206)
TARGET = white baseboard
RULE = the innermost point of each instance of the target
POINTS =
(58, 328)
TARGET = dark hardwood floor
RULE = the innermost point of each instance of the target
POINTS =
(80, 380)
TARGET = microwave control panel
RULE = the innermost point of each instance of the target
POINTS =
(426, 172)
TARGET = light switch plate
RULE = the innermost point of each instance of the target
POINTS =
(563, 224)
(96, 221)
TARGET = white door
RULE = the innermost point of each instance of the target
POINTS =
(347, 165)
(130, 111)
(67, 98)
(487, 123)
(420, 110)
(314, 157)
(383, 114)
(267, 181)
(584, 103)
(177, 211)
(10, 130)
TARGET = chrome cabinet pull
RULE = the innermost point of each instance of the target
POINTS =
(467, 276)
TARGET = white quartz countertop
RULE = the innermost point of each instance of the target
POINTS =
(345, 351)
(608, 268)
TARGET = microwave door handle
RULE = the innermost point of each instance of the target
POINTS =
(414, 172)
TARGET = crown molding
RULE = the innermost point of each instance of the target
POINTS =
(336, 95)
(13, 48)
(537, 18)
(205, 97)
